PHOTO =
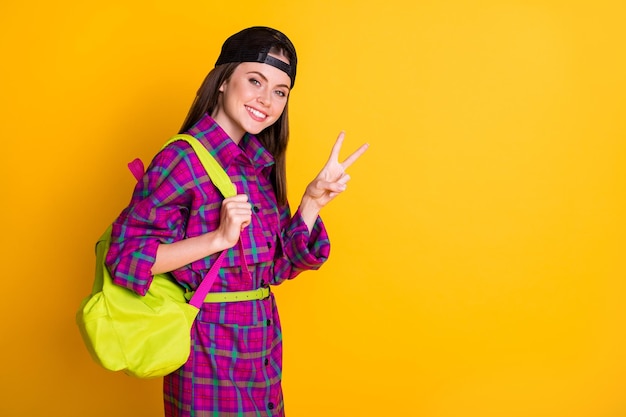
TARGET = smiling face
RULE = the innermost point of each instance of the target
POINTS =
(252, 99)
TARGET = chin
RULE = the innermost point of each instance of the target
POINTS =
(255, 130)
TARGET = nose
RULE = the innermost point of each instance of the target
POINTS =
(264, 98)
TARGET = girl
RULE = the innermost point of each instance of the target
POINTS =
(178, 222)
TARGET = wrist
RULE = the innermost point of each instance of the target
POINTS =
(215, 242)
(309, 210)
(310, 204)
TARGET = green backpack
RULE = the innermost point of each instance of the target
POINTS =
(145, 336)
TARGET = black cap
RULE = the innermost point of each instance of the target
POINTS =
(254, 44)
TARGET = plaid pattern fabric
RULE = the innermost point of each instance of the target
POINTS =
(236, 354)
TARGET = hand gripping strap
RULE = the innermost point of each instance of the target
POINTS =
(220, 179)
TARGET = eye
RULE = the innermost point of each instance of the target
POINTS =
(254, 81)
(281, 93)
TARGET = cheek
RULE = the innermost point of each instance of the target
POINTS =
(238, 92)
(280, 107)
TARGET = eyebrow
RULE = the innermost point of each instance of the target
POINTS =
(265, 79)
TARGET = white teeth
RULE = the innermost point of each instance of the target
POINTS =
(256, 112)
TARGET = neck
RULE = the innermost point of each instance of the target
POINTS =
(234, 132)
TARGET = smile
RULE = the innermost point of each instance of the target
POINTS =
(256, 114)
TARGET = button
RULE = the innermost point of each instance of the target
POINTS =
(267, 361)
(270, 406)
(256, 209)
(262, 282)
(269, 322)
(269, 245)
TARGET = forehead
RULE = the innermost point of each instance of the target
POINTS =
(272, 74)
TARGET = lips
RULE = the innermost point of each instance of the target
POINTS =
(256, 114)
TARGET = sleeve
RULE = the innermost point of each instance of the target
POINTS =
(301, 250)
(157, 213)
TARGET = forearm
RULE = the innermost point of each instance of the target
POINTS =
(302, 249)
(309, 210)
(175, 255)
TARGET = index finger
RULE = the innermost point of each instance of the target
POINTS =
(334, 153)
(238, 198)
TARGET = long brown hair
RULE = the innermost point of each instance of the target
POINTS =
(274, 138)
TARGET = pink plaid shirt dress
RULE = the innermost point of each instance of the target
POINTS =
(235, 364)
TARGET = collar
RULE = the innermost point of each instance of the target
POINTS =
(225, 150)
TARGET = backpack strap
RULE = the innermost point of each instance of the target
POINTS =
(220, 179)
(136, 168)
(216, 172)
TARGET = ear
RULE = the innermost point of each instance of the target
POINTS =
(221, 89)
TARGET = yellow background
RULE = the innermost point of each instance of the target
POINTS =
(478, 261)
